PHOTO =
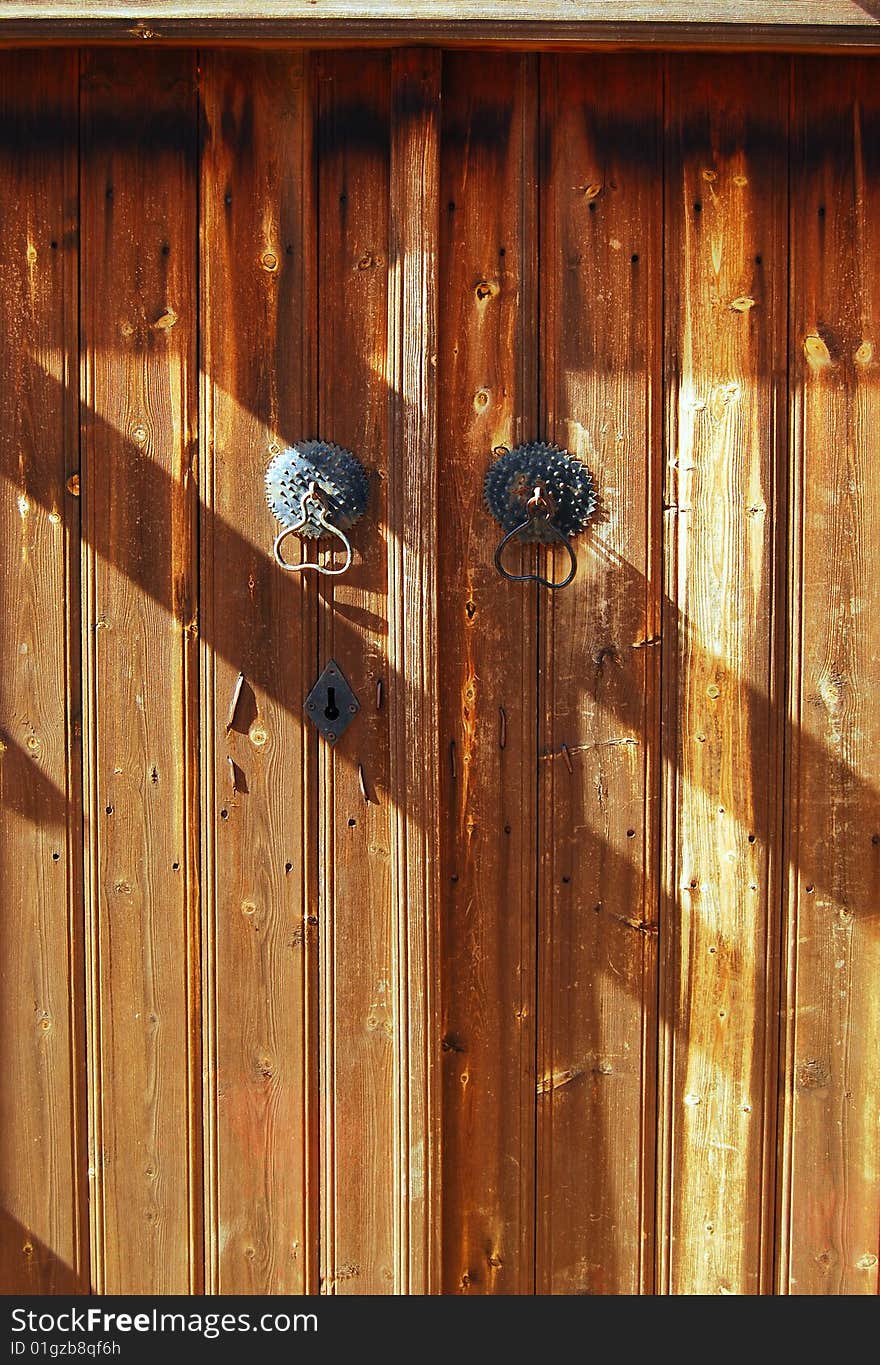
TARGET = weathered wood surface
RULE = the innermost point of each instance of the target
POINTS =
(725, 310)
(258, 625)
(600, 283)
(43, 1221)
(791, 23)
(139, 327)
(413, 664)
(786, 12)
(425, 259)
(358, 1004)
(488, 400)
(830, 1183)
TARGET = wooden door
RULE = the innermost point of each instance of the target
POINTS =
(557, 973)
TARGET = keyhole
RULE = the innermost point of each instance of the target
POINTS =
(331, 710)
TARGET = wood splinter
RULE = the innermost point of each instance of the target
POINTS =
(566, 752)
(233, 703)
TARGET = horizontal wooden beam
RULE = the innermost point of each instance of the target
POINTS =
(791, 13)
(797, 24)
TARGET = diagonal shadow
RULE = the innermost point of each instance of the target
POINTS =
(146, 561)
(146, 484)
(31, 1267)
(26, 790)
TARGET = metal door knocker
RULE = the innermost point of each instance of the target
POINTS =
(316, 489)
(540, 495)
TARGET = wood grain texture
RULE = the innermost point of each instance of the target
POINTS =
(831, 1167)
(413, 661)
(726, 281)
(600, 319)
(258, 343)
(423, 1052)
(358, 1004)
(43, 1224)
(140, 414)
(488, 652)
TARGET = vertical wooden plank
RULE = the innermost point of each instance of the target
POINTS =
(725, 330)
(488, 652)
(600, 221)
(43, 1227)
(831, 1164)
(413, 661)
(357, 1046)
(258, 338)
(140, 394)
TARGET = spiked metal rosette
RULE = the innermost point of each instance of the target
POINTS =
(567, 487)
(339, 478)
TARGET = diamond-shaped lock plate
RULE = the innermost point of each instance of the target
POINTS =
(331, 705)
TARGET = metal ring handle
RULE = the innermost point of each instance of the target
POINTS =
(313, 496)
(535, 577)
